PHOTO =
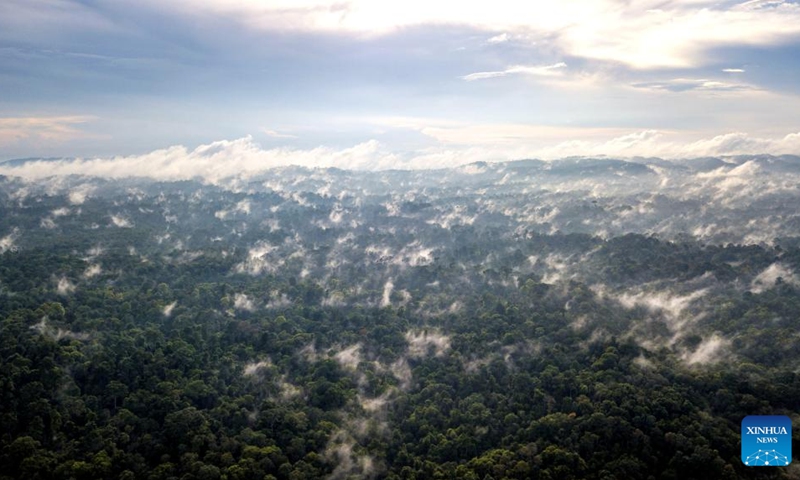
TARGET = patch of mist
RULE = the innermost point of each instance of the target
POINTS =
(387, 293)
(243, 302)
(78, 195)
(252, 368)
(8, 243)
(120, 221)
(711, 350)
(421, 342)
(167, 310)
(47, 223)
(92, 271)
(57, 333)
(64, 287)
(350, 357)
(258, 260)
(347, 463)
(768, 278)
(278, 300)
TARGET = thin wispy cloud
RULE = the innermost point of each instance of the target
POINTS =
(536, 71)
(733, 70)
(56, 128)
(276, 134)
(694, 84)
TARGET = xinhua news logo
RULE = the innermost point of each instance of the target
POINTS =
(767, 441)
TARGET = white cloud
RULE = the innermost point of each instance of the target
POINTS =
(64, 287)
(402, 372)
(645, 34)
(259, 260)
(348, 464)
(279, 300)
(733, 70)
(47, 223)
(167, 310)
(421, 342)
(502, 38)
(276, 134)
(92, 271)
(350, 357)
(387, 294)
(673, 306)
(536, 71)
(57, 333)
(78, 195)
(7, 242)
(253, 367)
(712, 349)
(120, 221)
(694, 84)
(458, 144)
(243, 302)
(769, 277)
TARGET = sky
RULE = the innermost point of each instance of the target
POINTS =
(387, 84)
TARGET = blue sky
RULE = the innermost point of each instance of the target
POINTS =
(415, 83)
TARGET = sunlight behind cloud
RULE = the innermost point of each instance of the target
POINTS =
(647, 34)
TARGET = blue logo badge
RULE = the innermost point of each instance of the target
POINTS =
(767, 441)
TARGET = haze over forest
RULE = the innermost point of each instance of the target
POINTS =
(366, 239)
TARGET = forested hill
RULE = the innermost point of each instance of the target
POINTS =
(576, 319)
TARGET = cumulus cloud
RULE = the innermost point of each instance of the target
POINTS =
(213, 161)
(536, 71)
(459, 144)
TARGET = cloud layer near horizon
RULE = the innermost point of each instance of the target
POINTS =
(228, 158)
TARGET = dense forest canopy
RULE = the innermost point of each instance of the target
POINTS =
(576, 319)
